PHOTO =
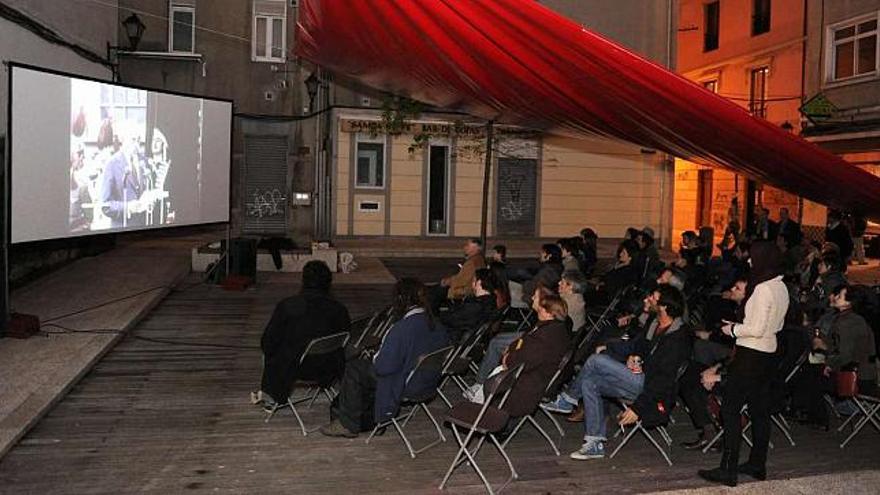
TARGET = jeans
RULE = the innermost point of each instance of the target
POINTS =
(602, 376)
(494, 351)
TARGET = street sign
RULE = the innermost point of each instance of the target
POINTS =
(818, 107)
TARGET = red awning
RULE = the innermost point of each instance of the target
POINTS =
(518, 62)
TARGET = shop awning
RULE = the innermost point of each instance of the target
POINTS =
(518, 62)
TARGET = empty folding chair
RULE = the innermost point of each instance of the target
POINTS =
(550, 391)
(415, 400)
(322, 346)
(486, 421)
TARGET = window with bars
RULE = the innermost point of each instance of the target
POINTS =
(758, 92)
(269, 40)
(711, 25)
(760, 17)
(370, 165)
(853, 49)
(182, 28)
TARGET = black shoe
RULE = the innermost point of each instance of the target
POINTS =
(759, 473)
(698, 444)
(718, 475)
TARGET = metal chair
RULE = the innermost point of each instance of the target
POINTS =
(321, 346)
(868, 412)
(432, 362)
(485, 420)
(640, 426)
(459, 364)
(550, 391)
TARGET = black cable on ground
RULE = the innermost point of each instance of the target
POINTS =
(110, 331)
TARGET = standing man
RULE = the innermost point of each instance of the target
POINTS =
(860, 225)
(788, 228)
(838, 233)
(122, 186)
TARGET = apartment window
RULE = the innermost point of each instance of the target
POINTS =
(711, 85)
(853, 49)
(758, 92)
(269, 41)
(370, 164)
(760, 17)
(182, 28)
(712, 16)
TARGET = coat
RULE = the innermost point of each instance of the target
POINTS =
(294, 323)
(408, 339)
(460, 283)
(840, 236)
(548, 275)
(852, 341)
(469, 315)
(541, 350)
(119, 186)
(662, 355)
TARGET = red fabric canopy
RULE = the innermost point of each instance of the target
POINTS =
(518, 62)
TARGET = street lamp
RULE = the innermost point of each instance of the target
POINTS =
(312, 82)
(134, 31)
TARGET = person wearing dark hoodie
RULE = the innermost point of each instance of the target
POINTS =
(548, 274)
(416, 333)
(296, 320)
(474, 310)
(751, 371)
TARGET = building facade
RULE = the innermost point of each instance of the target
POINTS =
(751, 52)
(842, 76)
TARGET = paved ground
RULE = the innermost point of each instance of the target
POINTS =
(166, 411)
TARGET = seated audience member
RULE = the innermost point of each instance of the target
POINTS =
(540, 350)
(296, 321)
(711, 347)
(571, 289)
(570, 254)
(548, 274)
(849, 346)
(475, 309)
(495, 350)
(691, 250)
(624, 274)
(589, 250)
(816, 301)
(650, 257)
(672, 276)
(416, 333)
(502, 285)
(498, 254)
(459, 286)
(728, 246)
(647, 378)
(631, 234)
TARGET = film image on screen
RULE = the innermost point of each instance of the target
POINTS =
(119, 160)
(91, 157)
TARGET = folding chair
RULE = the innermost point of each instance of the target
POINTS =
(317, 347)
(459, 364)
(370, 327)
(485, 420)
(432, 362)
(640, 427)
(869, 407)
(550, 391)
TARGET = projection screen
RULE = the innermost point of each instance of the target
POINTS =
(91, 157)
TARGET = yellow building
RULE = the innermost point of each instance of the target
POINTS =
(426, 182)
(751, 52)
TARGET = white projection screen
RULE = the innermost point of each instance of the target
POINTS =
(91, 157)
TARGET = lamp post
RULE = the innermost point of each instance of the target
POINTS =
(134, 31)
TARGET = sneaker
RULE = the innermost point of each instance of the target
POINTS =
(591, 449)
(337, 429)
(474, 393)
(560, 405)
